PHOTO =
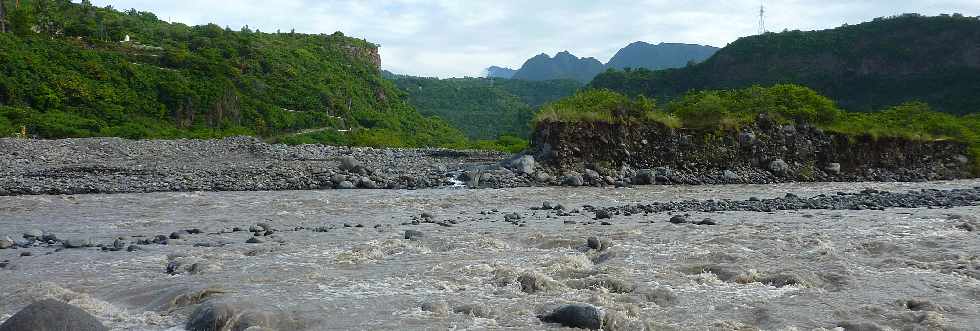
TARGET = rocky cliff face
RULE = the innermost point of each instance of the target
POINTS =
(765, 152)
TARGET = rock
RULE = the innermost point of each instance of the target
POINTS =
(583, 316)
(833, 168)
(523, 165)
(52, 315)
(778, 167)
(967, 227)
(6, 242)
(729, 175)
(77, 243)
(49, 237)
(678, 219)
(512, 217)
(592, 175)
(348, 163)
(707, 221)
(572, 179)
(34, 234)
(219, 316)
(367, 183)
(414, 235)
(436, 307)
(118, 244)
(542, 177)
(747, 138)
(645, 177)
(594, 243)
(602, 214)
(346, 185)
(254, 240)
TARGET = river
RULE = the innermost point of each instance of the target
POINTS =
(806, 269)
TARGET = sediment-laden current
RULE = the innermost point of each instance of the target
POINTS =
(496, 259)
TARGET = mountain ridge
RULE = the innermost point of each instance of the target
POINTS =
(565, 65)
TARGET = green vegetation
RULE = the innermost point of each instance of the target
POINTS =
(483, 108)
(788, 104)
(66, 73)
(605, 106)
(864, 67)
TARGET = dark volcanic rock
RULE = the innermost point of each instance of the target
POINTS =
(52, 315)
(759, 153)
(217, 315)
(583, 316)
(413, 234)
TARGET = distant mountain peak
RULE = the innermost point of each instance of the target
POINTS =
(639, 54)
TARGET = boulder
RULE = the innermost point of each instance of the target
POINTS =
(645, 177)
(77, 243)
(729, 175)
(542, 177)
(219, 315)
(413, 235)
(523, 164)
(833, 168)
(747, 138)
(348, 163)
(52, 315)
(6, 242)
(573, 179)
(346, 185)
(592, 175)
(33, 234)
(583, 316)
(778, 167)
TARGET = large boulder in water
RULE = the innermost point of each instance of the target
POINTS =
(52, 315)
(576, 316)
(227, 316)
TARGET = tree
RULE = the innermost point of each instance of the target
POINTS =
(3, 26)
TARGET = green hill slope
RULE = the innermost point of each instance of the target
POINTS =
(484, 108)
(66, 73)
(863, 67)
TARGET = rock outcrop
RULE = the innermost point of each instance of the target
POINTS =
(765, 152)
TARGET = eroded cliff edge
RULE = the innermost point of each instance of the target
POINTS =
(763, 152)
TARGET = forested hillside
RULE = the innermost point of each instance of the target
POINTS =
(69, 71)
(863, 67)
(484, 108)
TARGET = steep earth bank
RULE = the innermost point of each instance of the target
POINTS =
(765, 152)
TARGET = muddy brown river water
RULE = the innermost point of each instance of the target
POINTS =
(901, 269)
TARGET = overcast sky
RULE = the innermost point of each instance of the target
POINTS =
(455, 38)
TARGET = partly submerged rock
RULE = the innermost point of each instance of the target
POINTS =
(52, 315)
(221, 315)
(576, 316)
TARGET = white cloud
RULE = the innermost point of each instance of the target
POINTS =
(461, 37)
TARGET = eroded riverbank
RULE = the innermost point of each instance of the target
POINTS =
(810, 269)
